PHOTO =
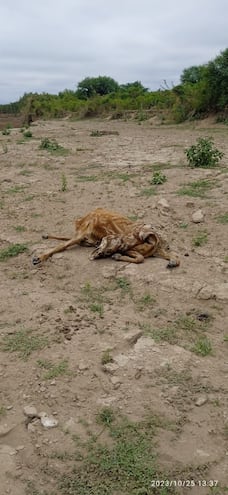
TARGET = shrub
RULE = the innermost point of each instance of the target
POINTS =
(203, 154)
(158, 178)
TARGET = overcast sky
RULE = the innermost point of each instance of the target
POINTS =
(51, 45)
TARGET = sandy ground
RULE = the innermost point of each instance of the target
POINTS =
(165, 332)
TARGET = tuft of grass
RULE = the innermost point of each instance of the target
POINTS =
(197, 189)
(15, 189)
(106, 357)
(183, 225)
(86, 178)
(23, 342)
(105, 417)
(200, 240)
(12, 250)
(97, 308)
(223, 218)
(20, 228)
(54, 370)
(151, 191)
(2, 411)
(145, 302)
(202, 347)
(124, 284)
(63, 182)
(27, 134)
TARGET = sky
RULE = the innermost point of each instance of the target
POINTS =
(52, 45)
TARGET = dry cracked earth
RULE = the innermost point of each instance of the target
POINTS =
(113, 375)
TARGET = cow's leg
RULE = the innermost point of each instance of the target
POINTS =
(131, 256)
(58, 249)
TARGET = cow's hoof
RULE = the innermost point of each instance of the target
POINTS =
(45, 236)
(172, 264)
(116, 256)
(36, 260)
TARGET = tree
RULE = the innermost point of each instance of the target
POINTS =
(193, 74)
(93, 86)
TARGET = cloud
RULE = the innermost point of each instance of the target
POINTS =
(48, 46)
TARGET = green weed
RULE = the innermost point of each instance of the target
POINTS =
(196, 189)
(202, 347)
(200, 240)
(54, 370)
(23, 342)
(12, 250)
(223, 218)
(52, 146)
(158, 178)
(106, 357)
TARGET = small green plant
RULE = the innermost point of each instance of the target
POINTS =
(6, 131)
(202, 347)
(63, 183)
(27, 134)
(183, 225)
(23, 342)
(97, 308)
(106, 357)
(105, 417)
(52, 146)
(203, 154)
(145, 302)
(12, 250)
(124, 284)
(158, 178)
(200, 239)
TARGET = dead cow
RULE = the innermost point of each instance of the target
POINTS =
(114, 235)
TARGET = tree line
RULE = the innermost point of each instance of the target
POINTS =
(202, 90)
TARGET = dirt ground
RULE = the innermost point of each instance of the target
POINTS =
(78, 337)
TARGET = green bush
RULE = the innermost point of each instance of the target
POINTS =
(203, 154)
(158, 178)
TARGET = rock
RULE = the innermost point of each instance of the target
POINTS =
(198, 216)
(132, 337)
(201, 400)
(82, 366)
(110, 368)
(163, 203)
(30, 412)
(218, 291)
(116, 382)
(48, 421)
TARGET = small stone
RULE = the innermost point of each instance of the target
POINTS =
(20, 447)
(132, 337)
(110, 368)
(201, 400)
(198, 216)
(116, 382)
(48, 421)
(163, 203)
(82, 366)
(30, 412)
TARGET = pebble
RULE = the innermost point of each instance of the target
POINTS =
(164, 204)
(30, 411)
(198, 216)
(48, 421)
(132, 337)
(201, 400)
(116, 382)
